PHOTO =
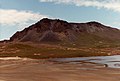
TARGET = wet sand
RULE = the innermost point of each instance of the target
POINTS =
(42, 70)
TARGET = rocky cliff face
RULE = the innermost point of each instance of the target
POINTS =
(48, 30)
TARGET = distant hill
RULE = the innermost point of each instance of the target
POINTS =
(56, 38)
(63, 32)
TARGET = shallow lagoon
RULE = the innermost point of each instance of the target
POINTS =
(108, 61)
(61, 69)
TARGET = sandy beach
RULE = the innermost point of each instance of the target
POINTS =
(42, 70)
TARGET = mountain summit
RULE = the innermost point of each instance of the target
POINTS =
(55, 30)
(54, 38)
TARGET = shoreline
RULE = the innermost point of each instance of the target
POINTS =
(43, 70)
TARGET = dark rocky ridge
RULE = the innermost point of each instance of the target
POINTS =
(48, 30)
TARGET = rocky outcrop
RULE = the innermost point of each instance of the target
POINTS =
(48, 30)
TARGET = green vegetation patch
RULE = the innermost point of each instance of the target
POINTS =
(41, 52)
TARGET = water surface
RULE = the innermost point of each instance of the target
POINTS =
(108, 61)
(61, 69)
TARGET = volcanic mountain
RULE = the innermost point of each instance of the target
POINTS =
(59, 31)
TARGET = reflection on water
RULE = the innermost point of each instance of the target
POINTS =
(108, 61)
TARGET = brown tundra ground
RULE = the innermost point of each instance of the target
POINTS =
(40, 69)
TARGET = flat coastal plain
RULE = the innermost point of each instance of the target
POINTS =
(44, 70)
